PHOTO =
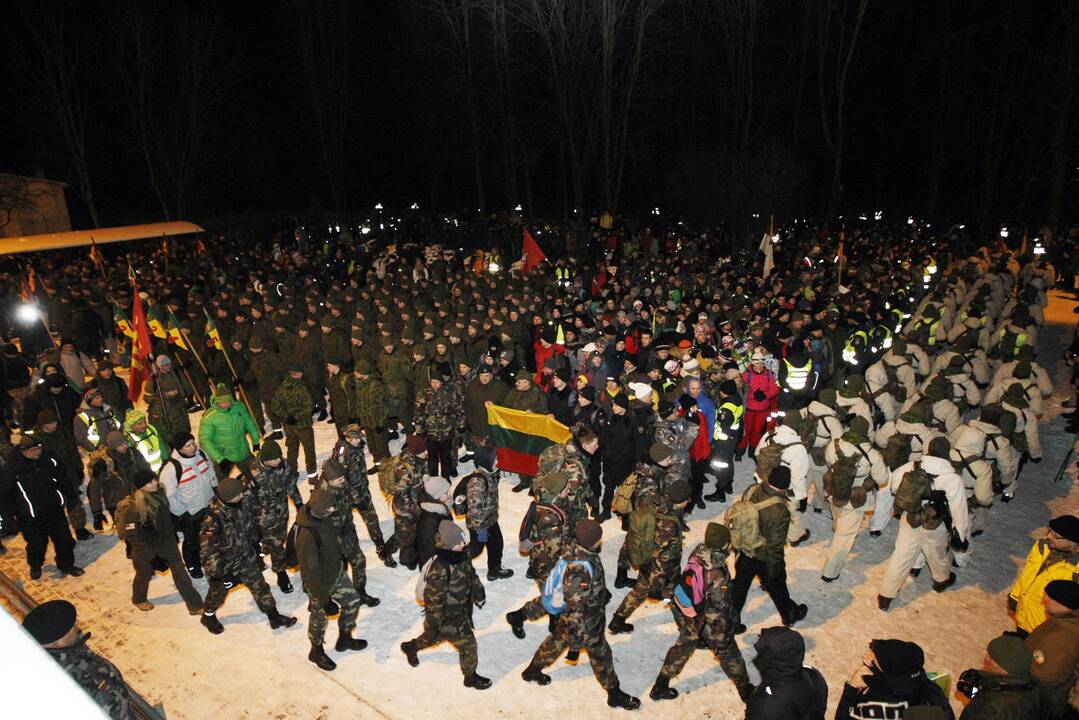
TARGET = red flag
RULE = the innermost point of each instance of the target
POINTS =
(533, 255)
(140, 350)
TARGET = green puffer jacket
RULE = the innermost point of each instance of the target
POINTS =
(223, 433)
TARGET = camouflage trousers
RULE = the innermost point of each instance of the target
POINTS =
(294, 437)
(273, 532)
(599, 655)
(690, 638)
(346, 597)
(361, 500)
(378, 443)
(461, 637)
(354, 559)
(652, 580)
(404, 538)
(249, 574)
(541, 558)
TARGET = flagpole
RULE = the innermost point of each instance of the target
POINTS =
(232, 369)
(100, 265)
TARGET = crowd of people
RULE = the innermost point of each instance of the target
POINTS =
(881, 372)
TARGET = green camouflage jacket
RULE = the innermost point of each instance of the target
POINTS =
(293, 404)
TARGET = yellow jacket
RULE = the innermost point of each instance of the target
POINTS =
(1030, 586)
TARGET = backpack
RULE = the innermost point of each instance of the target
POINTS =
(839, 477)
(914, 496)
(893, 387)
(524, 534)
(1005, 349)
(770, 456)
(807, 431)
(421, 581)
(743, 520)
(554, 597)
(622, 503)
(641, 535)
(897, 450)
(387, 475)
(689, 592)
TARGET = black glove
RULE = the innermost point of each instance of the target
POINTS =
(226, 465)
(759, 395)
(803, 504)
(99, 521)
(330, 608)
(255, 447)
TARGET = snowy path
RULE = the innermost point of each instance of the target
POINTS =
(253, 672)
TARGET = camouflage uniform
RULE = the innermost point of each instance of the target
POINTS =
(451, 591)
(355, 464)
(228, 546)
(652, 482)
(581, 625)
(662, 572)
(341, 400)
(319, 554)
(268, 372)
(548, 536)
(679, 435)
(373, 412)
(531, 400)
(111, 481)
(396, 371)
(575, 464)
(409, 473)
(271, 489)
(439, 413)
(345, 531)
(166, 399)
(98, 677)
(292, 404)
(713, 626)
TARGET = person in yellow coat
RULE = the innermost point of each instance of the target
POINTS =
(1055, 557)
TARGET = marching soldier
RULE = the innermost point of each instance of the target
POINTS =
(372, 407)
(349, 452)
(407, 471)
(439, 413)
(333, 480)
(166, 398)
(273, 482)
(293, 405)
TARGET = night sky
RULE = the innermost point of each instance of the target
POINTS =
(957, 111)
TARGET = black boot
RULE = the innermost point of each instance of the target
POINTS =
(552, 624)
(211, 623)
(83, 534)
(283, 582)
(467, 457)
(572, 656)
(277, 620)
(368, 600)
(195, 572)
(516, 622)
(373, 470)
(498, 574)
(386, 556)
(618, 699)
(618, 625)
(623, 580)
(477, 682)
(524, 484)
(662, 690)
(799, 613)
(534, 674)
(409, 649)
(945, 584)
(347, 642)
(717, 496)
(319, 657)
(884, 603)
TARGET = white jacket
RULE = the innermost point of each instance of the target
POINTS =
(796, 457)
(945, 479)
(194, 489)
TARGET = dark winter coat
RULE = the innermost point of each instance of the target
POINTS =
(476, 397)
(884, 691)
(618, 444)
(31, 488)
(319, 554)
(788, 690)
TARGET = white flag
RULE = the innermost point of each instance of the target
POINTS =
(769, 261)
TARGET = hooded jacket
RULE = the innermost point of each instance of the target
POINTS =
(788, 689)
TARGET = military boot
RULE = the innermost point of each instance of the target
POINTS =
(345, 641)
(386, 556)
(277, 620)
(662, 690)
(409, 649)
(83, 534)
(283, 582)
(319, 657)
(623, 580)
(365, 599)
(477, 682)
(516, 622)
(498, 574)
(618, 699)
(211, 623)
(618, 625)
(534, 674)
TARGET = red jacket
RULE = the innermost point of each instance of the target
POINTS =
(702, 446)
(765, 382)
(543, 354)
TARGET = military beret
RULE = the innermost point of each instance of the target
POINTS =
(50, 621)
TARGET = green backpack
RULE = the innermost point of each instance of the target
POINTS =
(387, 475)
(770, 456)
(641, 535)
(743, 519)
(839, 477)
(897, 450)
(914, 498)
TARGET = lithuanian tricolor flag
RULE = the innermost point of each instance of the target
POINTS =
(521, 436)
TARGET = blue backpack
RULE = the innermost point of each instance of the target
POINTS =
(554, 599)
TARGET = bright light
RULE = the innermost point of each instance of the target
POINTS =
(655, 211)
(337, 228)
(378, 206)
(414, 206)
(863, 216)
(493, 268)
(962, 227)
(518, 208)
(365, 230)
(1004, 232)
(878, 215)
(1039, 249)
(910, 220)
(27, 313)
(932, 269)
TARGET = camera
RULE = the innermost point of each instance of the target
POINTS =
(970, 683)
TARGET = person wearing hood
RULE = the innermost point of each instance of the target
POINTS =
(988, 462)
(94, 420)
(1026, 440)
(451, 589)
(900, 442)
(964, 390)
(976, 363)
(189, 480)
(618, 451)
(75, 363)
(62, 447)
(795, 457)
(113, 388)
(943, 415)
(1003, 688)
(228, 546)
(144, 524)
(852, 398)
(891, 380)
(1055, 647)
(113, 468)
(481, 512)
(1025, 354)
(890, 680)
(335, 481)
(166, 398)
(1054, 557)
(325, 580)
(788, 690)
(434, 500)
(52, 392)
(273, 482)
(702, 610)
(227, 432)
(926, 531)
(146, 439)
(1022, 375)
(827, 428)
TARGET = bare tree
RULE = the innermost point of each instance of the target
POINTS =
(48, 58)
(16, 196)
(1064, 73)
(497, 17)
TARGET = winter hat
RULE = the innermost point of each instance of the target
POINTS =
(588, 533)
(294, 367)
(485, 457)
(852, 386)
(436, 486)
(271, 451)
(450, 534)
(332, 469)
(27, 442)
(230, 488)
(667, 406)
(916, 413)
(180, 439)
(780, 477)
(729, 387)
(163, 362)
(415, 444)
(589, 393)
(899, 346)
(1066, 526)
(659, 452)
(939, 447)
(143, 478)
(826, 397)
(1064, 592)
(898, 658)
(89, 393)
(679, 492)
(46, 416)
(858, 432)
(133, 418)
(352, 430)
(621, 400)
(1022, 370)
(114, 440)
(50, 621)
(938, 389)
(687, 402)
(641, 391)
(551, 483)
(1012, 654)
(442, 370)
(1015, 396)
(320, 502)
(691, 367)
(717, 536)
(221, 393)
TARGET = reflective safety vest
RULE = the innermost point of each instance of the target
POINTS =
(562, 275)
(1020, 338)
(798, 377)
(932, 339)
(92, 435)
(736, 412)
(886, 341)
(850, 352)
(149, 446)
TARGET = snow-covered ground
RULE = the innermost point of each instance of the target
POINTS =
(253, 672)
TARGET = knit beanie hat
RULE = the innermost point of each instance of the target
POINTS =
(220, 393)
(679, 492)
(1064, 592)
(114, 440)
(1066, 526)
(780, 477)
(450, 534)
(852, 386)
(858, 432)
(621, 400)
(588, 533)
(180, 439)
(717, 536)
(659, 452)
(416, 444)
(50, 621)
(436, 486)
(46, 416)
(143, 478)
(133, 418)
(320, 502)
(898, 658)
(230, 488)
(332, 469)
(1012, 654)
(270, 451)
